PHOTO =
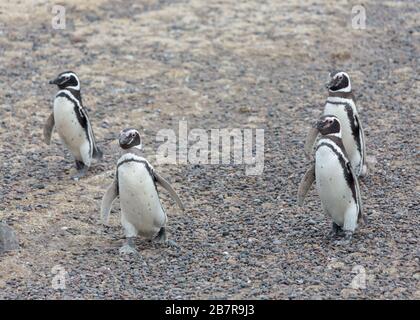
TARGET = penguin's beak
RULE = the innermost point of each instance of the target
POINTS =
(124, 140)
(315, 124)
(319, 125)
(55, 81)
(331, 83)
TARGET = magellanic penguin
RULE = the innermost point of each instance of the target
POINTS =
(71, 121)
(341, 103)
(135, 183)
(336, 182)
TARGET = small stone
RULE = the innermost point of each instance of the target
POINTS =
(77, 39)
(8, 239)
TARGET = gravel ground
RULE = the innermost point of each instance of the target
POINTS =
(216, 64)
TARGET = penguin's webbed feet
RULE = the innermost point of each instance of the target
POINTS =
(346, 240)
(172, 244)
(128, 248)
(81, 170)
(162, 238)
(335, 230)
(79, 175)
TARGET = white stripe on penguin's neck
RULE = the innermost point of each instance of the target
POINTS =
(337, 134)
(343, 101)
(77, 88)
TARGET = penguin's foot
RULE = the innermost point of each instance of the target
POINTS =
(348, 235)
(162, 238)
(335, 230)
(128, 248)
(172, 244)
(81, 170)
(80, 175)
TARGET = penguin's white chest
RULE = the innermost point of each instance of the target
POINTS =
(67, 125)
(331, 184)
(140, 203)
(349, 141)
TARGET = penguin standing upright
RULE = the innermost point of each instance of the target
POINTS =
(135, 183)
(341, 103)
(336, 182)
(71, 121)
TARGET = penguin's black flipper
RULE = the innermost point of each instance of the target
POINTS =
(165, 184)
(361, 141)
(310, 140)
(306, 183)
(109, 197)
(48, 128)
(84, 121)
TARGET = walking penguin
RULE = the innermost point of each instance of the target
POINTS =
(135, 183)
(71, 121)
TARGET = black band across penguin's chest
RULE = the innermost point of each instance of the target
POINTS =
(77, 110)
(146, 165)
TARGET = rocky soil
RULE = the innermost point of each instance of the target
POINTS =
(216, 64)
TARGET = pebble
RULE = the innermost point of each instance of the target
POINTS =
(8, 239)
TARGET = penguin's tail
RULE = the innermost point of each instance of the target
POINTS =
(363, 219)
(97, 153)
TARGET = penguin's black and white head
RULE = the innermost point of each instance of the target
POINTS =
(67, 80)
(339, 82)
(130, 138)
(329, 125)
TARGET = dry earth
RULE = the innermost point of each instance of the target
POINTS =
(217, 64)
